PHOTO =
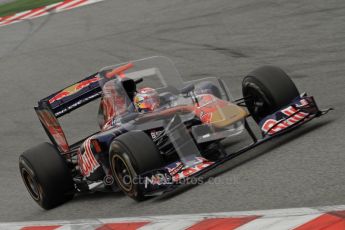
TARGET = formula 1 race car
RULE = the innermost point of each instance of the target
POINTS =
(153, 138)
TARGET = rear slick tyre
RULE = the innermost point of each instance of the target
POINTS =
(46, 176)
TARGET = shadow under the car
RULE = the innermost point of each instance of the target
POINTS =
(98, 195)
(248, 156)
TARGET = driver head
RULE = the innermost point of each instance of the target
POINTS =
(146, 99)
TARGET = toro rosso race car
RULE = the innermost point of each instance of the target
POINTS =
(155, 130)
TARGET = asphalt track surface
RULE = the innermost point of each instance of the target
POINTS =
(220, 38)
(4, 1)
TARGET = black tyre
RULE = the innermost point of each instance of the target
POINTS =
(209, 88)
(266, 90)
(46, 176)
(131, 154)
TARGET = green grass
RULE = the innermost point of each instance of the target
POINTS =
(23, 5)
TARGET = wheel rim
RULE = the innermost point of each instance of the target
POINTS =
(256, 104)
(122, 173)
(31, 184)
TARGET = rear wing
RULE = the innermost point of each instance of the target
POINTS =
(73, 96)
(58, 104)
(63, 102)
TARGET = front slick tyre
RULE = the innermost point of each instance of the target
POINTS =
(132, 154)
(46, 176)
(268, 89)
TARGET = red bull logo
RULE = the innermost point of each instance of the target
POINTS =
(73, 89)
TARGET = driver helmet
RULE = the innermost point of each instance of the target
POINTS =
(146, 99)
